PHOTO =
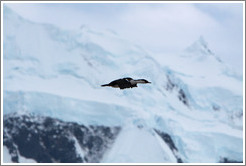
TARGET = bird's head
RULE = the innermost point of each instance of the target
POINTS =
(143, 81)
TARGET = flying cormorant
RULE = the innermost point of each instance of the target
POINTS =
(126, 83)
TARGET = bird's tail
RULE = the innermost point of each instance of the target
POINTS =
(105, 85)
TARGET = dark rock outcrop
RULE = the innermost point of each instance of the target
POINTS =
(167, 138)
(47, 140)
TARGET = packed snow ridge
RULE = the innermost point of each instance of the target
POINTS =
(192, 112)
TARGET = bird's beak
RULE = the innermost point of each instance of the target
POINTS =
(149, 82)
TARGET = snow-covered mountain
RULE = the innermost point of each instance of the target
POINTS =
(191, 112)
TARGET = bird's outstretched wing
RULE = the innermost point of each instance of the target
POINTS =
(123, 83)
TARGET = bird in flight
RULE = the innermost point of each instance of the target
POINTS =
(126, 82)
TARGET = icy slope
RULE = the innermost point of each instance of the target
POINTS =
(212, 84)
(142, 145)
(57, 73)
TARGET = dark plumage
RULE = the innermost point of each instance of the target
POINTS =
(126, 83)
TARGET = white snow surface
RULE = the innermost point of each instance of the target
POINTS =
(139, 145)
(58, 73)
(7, 157)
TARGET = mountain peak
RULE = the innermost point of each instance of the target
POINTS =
(200, 47)
(202, 41)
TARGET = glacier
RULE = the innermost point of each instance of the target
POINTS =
(194, 97)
